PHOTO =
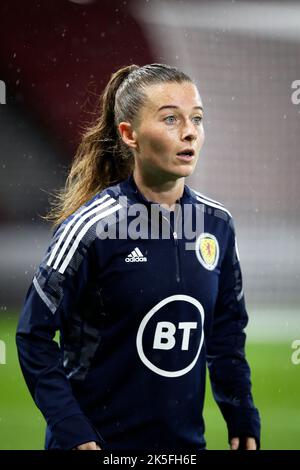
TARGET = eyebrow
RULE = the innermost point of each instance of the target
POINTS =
(176, 107)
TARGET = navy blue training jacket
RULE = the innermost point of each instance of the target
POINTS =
(139, 317)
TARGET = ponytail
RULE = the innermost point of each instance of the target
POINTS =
(102, 159)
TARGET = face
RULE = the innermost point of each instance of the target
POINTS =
(169, 122)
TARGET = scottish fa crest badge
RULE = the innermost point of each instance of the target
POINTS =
(207, 250)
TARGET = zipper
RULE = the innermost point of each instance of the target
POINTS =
(177, 256)
(176, 244)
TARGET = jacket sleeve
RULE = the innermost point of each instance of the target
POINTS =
(53, 293)
(228, 368)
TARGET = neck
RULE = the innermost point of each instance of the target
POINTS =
(164, 192)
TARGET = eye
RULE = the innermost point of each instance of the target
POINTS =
(198, 119)
(170, 119)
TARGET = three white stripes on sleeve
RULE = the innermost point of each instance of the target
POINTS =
(97, 210)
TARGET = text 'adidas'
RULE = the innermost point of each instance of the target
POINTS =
(136, 256)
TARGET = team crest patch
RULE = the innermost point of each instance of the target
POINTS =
(207, 250)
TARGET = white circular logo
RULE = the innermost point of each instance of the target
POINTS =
(166, 330)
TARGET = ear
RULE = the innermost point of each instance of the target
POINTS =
(128, 135)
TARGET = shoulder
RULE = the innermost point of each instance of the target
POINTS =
(74, 236)
(211, 206)
(99, 206)
(216, 209)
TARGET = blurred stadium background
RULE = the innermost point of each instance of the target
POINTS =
(54, 60)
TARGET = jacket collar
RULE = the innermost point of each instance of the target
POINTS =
(130, 189)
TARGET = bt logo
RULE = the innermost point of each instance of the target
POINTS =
(171, 342)
(169, 333)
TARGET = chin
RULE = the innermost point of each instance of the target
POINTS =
(179, 172)
(185, 171)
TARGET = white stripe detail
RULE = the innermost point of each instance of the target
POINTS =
(214, 205)
(239, 297)
(83, 232)
(76, 227)
(43, 296)
(206, 197)
(138, 251)
(134, 253)
(237, 249)
(69, 225)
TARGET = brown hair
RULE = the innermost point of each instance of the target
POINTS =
(102, 158)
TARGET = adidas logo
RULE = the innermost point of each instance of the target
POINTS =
(136, 256)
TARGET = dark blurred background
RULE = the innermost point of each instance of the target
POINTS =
(55, 59)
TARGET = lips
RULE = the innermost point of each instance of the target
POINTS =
(186, 155)
(186, 152)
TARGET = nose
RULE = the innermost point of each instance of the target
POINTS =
(188, 132)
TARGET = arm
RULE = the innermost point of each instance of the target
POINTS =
(228, 367)
(49, 302)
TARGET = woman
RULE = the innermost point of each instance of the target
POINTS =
(139, 315)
